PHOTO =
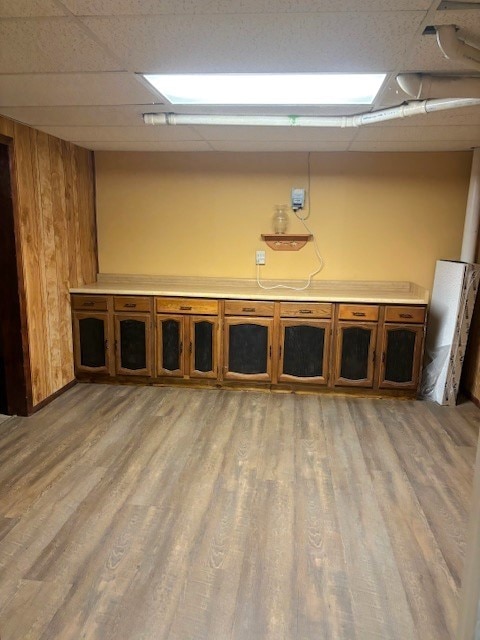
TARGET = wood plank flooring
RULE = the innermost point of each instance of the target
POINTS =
(141, 513)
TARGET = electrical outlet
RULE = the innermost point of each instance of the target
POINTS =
(259, 257)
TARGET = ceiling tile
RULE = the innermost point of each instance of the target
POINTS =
(36, 45)
(277, 145)
(411, 145)
(311, 42)
(282, 134)
(179, 7)
(121, 116)
(126, 134)
(378, 132)
(426, 54)
(151, 145)
(72, 89)
(30, 8)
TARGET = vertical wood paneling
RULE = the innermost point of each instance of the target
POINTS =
(62, 257)
(55, 212)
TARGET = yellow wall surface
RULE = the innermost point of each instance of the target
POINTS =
(377, 216)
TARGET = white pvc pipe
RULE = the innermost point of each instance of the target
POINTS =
(421, 86)
(455, 49)
(393, 113)
(472, 215)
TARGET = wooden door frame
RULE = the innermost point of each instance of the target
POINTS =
(16, 343)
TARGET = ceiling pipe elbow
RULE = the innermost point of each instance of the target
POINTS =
(423, 86)
(454, 48)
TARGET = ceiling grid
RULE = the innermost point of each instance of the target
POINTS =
(69, 67)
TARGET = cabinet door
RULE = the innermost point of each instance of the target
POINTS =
(91, 342)
(203, 351)
(133, 344)
(355, 354)
(401, 356)
(248, 348)
(170, 341)
(304, 351)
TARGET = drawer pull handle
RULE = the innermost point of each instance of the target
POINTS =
(88, 304)
(248, 309)
(130, 305)
(306, 311)
(185, 308)
(406, 315)
(359, 314)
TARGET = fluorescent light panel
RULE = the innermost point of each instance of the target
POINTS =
(268, 88)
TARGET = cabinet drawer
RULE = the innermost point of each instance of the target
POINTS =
(305, 310)
(90, 303)
(358, 312)
(248, 308)
(131, 303)
(405, 314)
(198, 306)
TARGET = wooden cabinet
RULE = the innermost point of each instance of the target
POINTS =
(248, 348)
(355, 340)
(133, 335)
(304, 344)
(133, 344)
(402, 347)
(110, 340)
(93, 340)
(187, 345)
(369, 346)
(248, 334)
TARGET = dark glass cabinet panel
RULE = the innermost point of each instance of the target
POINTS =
(248, 348)
(171, 343)
(92, 343)
(355, 353)
(303, 350)
(401, 356)
(133, 344)
(203, 346)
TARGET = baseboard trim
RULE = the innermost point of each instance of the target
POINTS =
(471, 397)
(46, 401)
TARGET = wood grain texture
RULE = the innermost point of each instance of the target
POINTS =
(55, 223)
(149, 513)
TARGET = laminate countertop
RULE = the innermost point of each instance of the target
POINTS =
(349, 291)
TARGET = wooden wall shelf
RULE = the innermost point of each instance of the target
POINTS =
(286, 241)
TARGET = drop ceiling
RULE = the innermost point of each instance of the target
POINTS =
(71, 67)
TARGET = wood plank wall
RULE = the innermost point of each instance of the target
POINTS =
(56, 233)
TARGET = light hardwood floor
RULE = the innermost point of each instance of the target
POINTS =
(134, 513)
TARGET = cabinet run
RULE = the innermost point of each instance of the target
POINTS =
(290, 345)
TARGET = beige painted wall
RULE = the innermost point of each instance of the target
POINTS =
(377, 216)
